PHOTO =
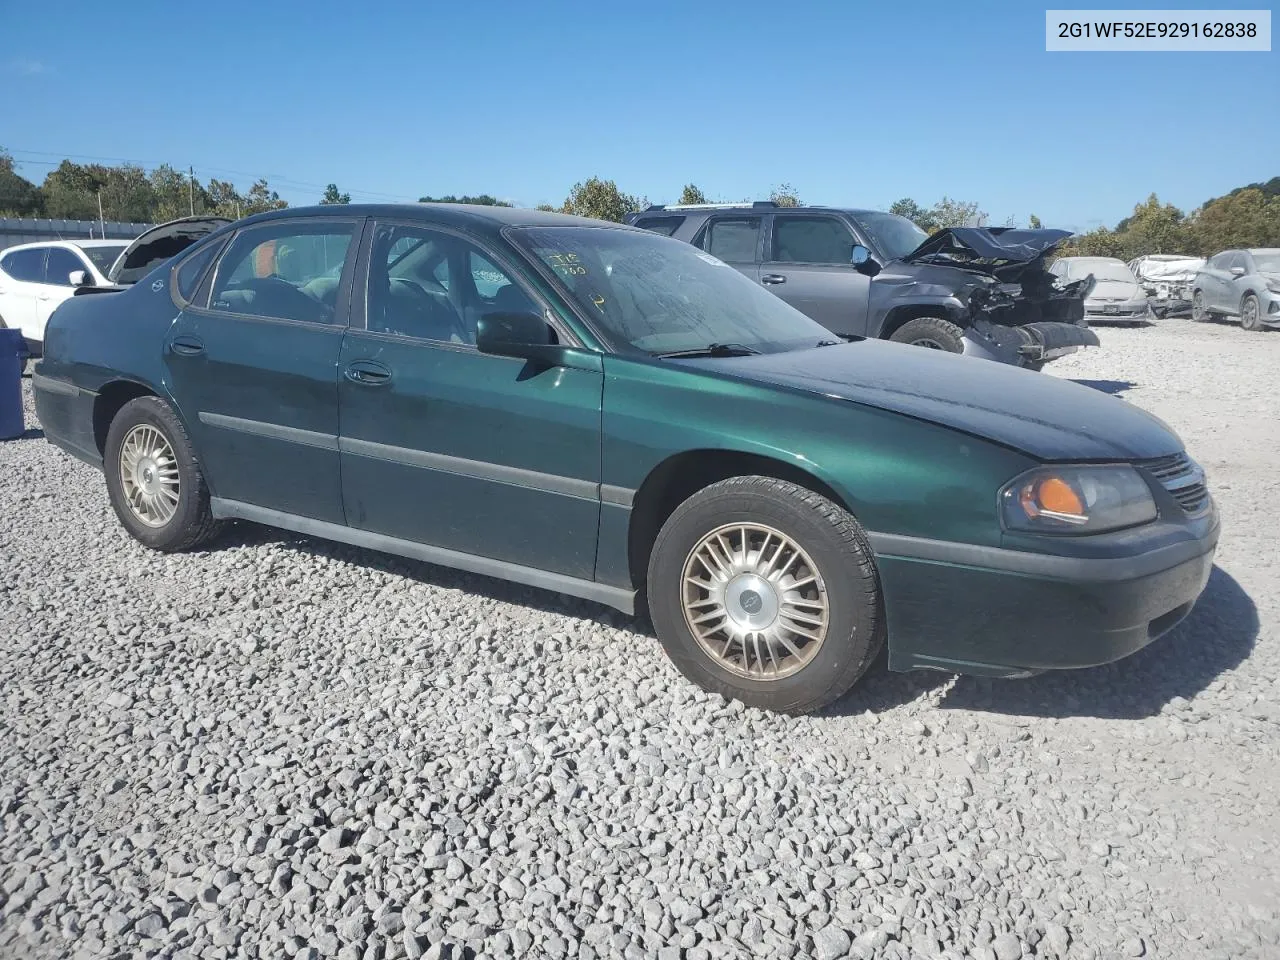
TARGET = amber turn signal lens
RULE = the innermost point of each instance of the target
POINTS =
(1057, 496)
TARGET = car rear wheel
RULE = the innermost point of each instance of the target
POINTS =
(1250, 313)
(154, 480)
(766, 592)
(932, 332)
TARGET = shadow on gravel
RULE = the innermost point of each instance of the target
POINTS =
(1218, 635)
(251, 534)
(1113, 387)
(32, 433)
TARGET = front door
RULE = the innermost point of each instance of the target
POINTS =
(252, 366)
(58, 268)
(808, 264)
(446, 446)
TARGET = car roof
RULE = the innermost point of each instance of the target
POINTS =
(59, 242)
(476, 216)
(1263, 250)
(1091, 259)
(677, 209)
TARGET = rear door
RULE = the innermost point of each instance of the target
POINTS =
(252, 365)
(1219, 279)
(443, 445)
(809, 265)
(21, 283)
(736, 239)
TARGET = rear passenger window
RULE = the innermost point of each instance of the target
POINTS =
(663, 225)
(191, 272)
(24, 265)
(733, 240)
(811, 240)
(287, 271)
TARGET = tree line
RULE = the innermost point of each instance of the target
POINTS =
(1248, 216)
(85, 191)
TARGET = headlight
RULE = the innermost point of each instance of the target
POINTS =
(1273, 286)
(1084, 499)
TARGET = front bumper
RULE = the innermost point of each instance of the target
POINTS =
(1095, 312)
(1005, 613)
(1269, 307)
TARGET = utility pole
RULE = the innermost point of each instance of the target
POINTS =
(102, 224)
(191, 189)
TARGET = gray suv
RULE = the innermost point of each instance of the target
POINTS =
(864, 273)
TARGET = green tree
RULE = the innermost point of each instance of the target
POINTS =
(224, 200)
(19, 197)
(127, 194)
(175, 194)
(1247, 218)
(547, 208)
(484, 200)
(955, 213)
(1153, 227)
(785, 195)
(922, 218)
(1099, 242)
(600, 199)
(71, 190)
(262, 198)
(332, 196)
(691, 194)
(1035, 223)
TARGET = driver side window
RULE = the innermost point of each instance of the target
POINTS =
(284, 271)
(432, 285)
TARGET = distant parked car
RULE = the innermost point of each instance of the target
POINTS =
(1240, 283)
(1167, 280)
(1117, 297)
(597, 410)
(36, 277)
(863, 273)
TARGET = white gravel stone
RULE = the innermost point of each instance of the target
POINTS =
(279, 747)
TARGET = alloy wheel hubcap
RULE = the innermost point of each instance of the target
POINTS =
(149, 475)
(755, 601)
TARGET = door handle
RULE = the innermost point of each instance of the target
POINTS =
(369, 373)
(188, 346)
(772, 278)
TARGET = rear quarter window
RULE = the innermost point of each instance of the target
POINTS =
(24, 265)
(192, 270)
(666, 226)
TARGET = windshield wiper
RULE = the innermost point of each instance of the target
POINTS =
(714, 350)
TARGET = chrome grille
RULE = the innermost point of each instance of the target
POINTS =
(1183, 478)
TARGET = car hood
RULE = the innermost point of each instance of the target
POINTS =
(159, 244)
(1171, 270)
(1039, 414)
(996, 244)
(1116, 290)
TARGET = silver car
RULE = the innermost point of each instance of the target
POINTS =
(1240, 283)
(1117, 296)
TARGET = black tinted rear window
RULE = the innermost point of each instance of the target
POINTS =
(192, 270)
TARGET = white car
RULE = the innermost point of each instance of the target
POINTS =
(36, 277)
(1116, 297)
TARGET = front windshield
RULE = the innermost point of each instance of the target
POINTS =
(664, 296)
(1102, 270)
(895, 236)
(103, 257)
(1268, 262)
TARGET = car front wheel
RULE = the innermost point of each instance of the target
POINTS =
(766, 592)
(153, 479)
(932, 332)
(1250, 313)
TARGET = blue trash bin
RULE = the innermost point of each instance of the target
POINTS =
(13, 357)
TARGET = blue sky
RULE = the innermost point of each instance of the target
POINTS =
(853, 103)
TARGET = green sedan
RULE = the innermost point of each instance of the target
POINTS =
(604, 412)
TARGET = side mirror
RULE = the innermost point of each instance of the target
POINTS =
(860, 257)
(80, 278)
(1237, 271)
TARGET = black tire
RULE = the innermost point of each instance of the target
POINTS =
(932, 332)
(192, 523)
(1250, 312)
(842, 556)
(1198, 312)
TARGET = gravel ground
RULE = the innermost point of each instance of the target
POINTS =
(280, 747)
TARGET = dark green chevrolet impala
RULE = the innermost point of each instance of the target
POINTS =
(604, 412)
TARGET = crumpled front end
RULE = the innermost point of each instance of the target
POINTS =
(1027, 318)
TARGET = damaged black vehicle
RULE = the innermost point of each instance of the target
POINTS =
(865, 273)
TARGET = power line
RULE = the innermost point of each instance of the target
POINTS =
(151, 165)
